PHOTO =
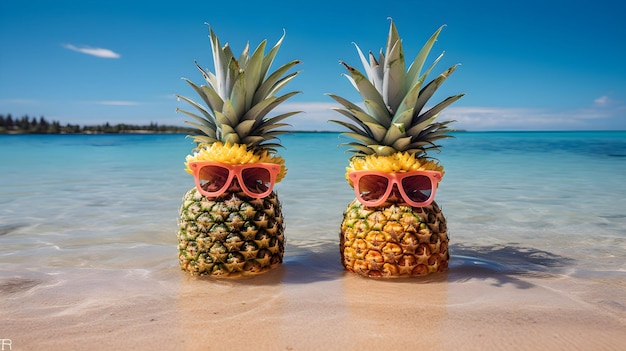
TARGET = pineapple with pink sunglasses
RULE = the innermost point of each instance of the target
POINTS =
(394, 228)
(231, 221)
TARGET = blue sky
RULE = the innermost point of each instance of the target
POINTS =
(531, 65)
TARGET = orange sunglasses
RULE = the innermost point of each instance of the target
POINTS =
(255, 179)
(417, 188)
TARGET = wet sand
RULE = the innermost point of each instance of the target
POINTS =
(310, 303)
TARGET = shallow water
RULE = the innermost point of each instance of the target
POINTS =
(516, 203)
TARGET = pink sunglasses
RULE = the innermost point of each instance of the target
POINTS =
(417, 188)
(255, 179)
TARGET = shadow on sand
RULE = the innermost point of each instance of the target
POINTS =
(309, 262)
(504, 264)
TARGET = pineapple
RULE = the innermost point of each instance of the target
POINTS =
(394, 134)
(235, 234)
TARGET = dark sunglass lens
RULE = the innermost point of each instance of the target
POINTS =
(256, 179)
(372, 187)
(213, 178)
(418, 188)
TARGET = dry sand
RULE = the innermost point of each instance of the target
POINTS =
(310, 303)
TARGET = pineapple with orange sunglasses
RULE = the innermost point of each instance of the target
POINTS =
(231, 221)
(394, 228)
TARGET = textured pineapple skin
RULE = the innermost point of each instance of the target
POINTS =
(231, 235)
(394, 241)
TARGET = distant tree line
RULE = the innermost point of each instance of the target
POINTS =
(33, 125)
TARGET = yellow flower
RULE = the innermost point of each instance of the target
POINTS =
(396, 163)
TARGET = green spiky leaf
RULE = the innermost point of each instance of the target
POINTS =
(346, 103)
(253, 73)
(364, 86)
(394, 77)
(239, 96)
(350, 126)
(394, 132)
(394, 100)
(269, 85)
(430, 88)
(416, 67)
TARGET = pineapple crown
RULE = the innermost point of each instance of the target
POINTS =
(394, 119)
(238, 97)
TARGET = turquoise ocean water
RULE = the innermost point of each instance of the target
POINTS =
(535, 203)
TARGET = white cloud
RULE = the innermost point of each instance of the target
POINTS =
(602, 101)
(493, 118)
(316, 117)
(98, 52)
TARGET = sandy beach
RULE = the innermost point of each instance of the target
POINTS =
(310, 303)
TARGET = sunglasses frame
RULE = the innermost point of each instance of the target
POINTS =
(235, 171)
(395, 178)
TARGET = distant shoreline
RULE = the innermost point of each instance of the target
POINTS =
(144, 132)
(32, 125)
(139, 131)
